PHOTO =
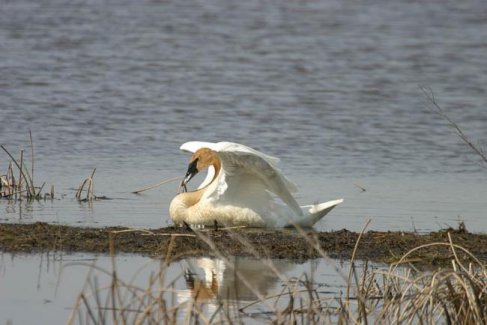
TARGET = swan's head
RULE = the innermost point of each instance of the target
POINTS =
(201, 160)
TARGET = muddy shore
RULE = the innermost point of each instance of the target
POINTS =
(179, 242)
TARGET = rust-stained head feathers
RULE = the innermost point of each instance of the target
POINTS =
(201, 159)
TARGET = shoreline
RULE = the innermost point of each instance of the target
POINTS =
(175, 243)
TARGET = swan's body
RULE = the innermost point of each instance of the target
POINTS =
(243, 188)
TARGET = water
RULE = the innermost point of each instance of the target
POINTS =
(51, 283)
(330, 87)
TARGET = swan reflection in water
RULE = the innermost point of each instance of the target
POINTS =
(211, 281)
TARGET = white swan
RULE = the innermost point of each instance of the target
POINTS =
(242, 188)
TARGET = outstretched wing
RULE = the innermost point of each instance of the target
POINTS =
(193, 146)
(247, 175)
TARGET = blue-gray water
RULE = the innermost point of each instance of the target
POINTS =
(51, 284)
(326, 85)
(330, 87)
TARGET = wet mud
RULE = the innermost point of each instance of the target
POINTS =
(175, 243)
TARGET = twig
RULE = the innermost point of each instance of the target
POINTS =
(435, 107)
(80, 188)
(90, 188)
(21, 166)
(149, 233)
(10, 180)
(352, 260)
(158, 184)
(32, 153)
(40, 189)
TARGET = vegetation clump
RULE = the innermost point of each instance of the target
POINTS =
(399, 294)
(376, 246)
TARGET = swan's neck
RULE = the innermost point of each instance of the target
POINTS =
(183, 202)
(217, 166)
(195, 196)
(189, 199)
(192, 198)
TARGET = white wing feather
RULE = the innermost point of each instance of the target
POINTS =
(193, 146)
(242, 166)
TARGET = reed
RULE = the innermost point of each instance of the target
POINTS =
(86, 187)
(435, 107)
(23, 186)
(398, 294)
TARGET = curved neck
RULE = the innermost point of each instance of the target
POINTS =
(217, 165)
(193, 197)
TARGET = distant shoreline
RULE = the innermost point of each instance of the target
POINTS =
(173, 243)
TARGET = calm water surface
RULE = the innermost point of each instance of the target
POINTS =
(330, 87)
(51, 283)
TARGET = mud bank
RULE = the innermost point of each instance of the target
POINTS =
(179, 242)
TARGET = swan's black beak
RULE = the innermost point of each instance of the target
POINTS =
(192, 170)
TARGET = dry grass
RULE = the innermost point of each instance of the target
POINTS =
(437, 109)
(13, 187)
(87, 186)
(401, 294)
(22, 186)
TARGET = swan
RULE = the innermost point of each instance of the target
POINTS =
(243, 187)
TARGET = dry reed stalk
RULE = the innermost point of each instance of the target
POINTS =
(79, 299)
(436, 108)
(178, 178)
(353, 256)
(38, 194)
(32, 157)
(344, 307)
(21, 166)
(150, 233)
(88, 182)
(400, 296)
(10, 180)
(31, 193)
(3, 182)
(457, 295)
(25, 178)
(122, 296)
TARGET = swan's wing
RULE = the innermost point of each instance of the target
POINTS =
(247, 174)
(193, 146)
(240, 166)
(241, 150)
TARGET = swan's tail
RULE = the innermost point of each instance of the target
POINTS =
(313, 213)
